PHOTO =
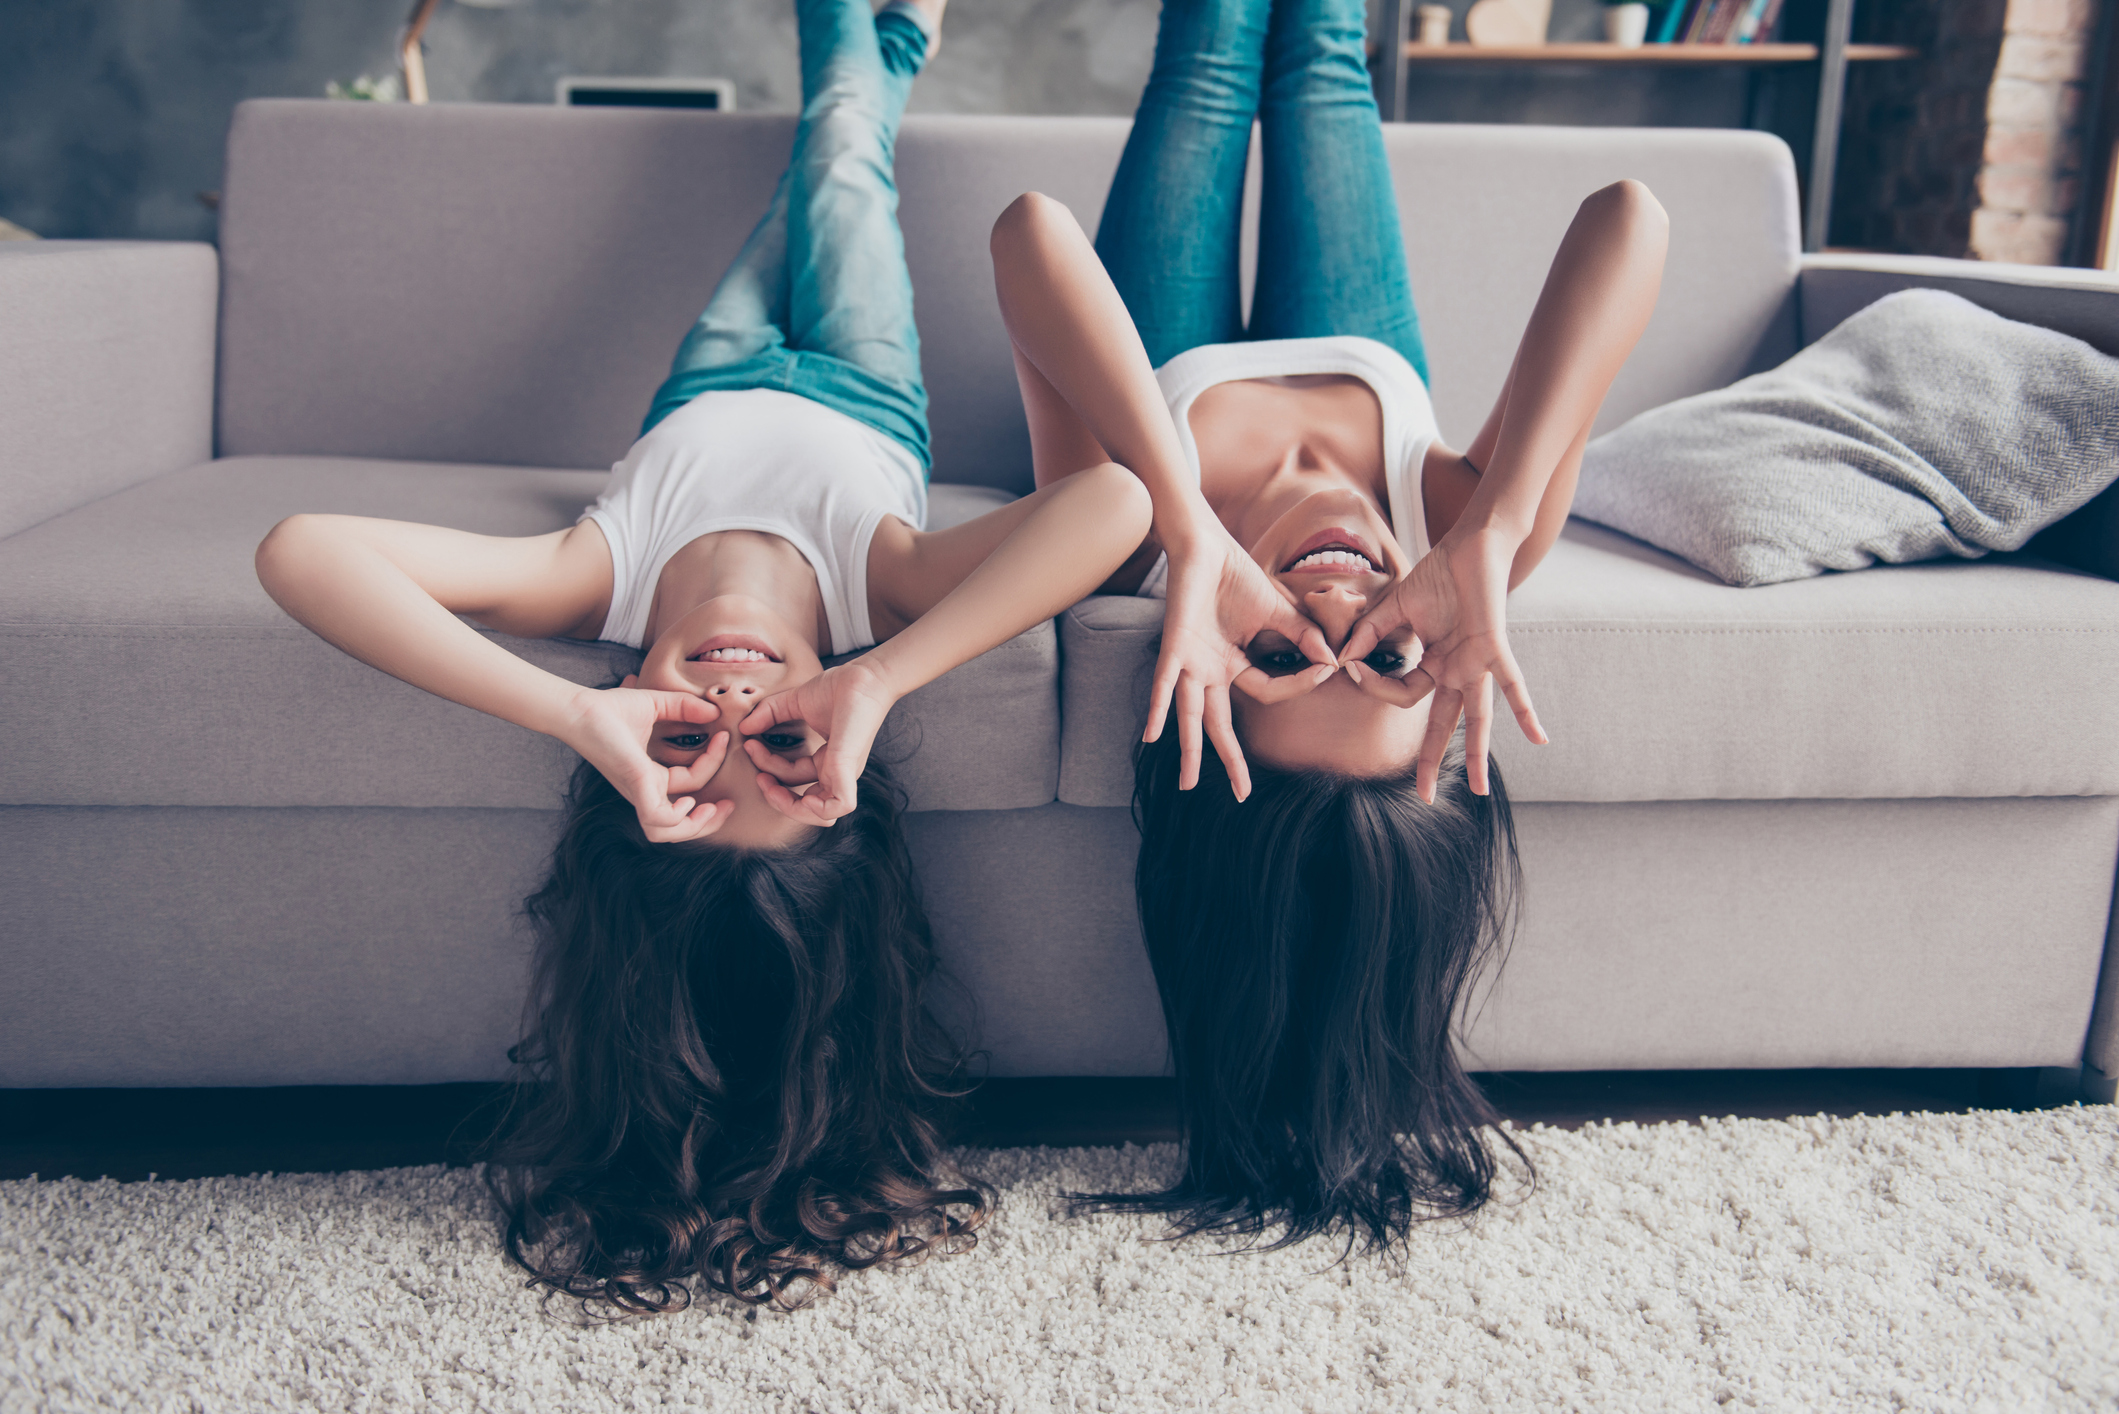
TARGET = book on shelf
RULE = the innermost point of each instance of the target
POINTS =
(1717, 22)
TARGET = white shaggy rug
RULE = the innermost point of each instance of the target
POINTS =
(1922, 1262)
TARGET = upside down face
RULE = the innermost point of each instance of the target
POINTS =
(1334, 557)
(735, 652)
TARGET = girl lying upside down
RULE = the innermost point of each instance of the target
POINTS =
(732, 1070)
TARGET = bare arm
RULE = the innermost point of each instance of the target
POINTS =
(1053, 548)
(1519, 473)
(1088, 388)
(1498, 512)
(389, 592)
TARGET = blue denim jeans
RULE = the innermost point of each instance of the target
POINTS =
(1331, 259)
(818, 302)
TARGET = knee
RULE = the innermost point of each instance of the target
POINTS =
(1123, 497)
(1031, 220)
(1630, 202)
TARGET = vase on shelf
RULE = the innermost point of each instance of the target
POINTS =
(1626, 25)
(1434, 23)
(1506, 24)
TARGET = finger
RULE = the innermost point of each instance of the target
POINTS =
(773, 711)
(701, 821)
(1408, 691)
(1221, 730)
(1478, 731)
(649, 793)
(1441, 725)
(684, 780)
(838, 777)
(1261, 686)
(683, 707)
(1301, 630)
(795, 807)
(1370, 629)
(1191, 704)
(1167, 673)
(629, 680)
(1518, 695)
(1360, 642)
(801, 771)
(688, 822)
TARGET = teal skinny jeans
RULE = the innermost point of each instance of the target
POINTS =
(1331, 258)
(818, 302)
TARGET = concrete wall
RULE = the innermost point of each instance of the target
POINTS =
(113, 112)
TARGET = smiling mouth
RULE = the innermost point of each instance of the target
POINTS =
(733, 648)
(1335, 557)
(1336, 550)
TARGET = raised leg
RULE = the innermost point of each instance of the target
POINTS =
(818, 302)
(1171, 225)
(1331, 259)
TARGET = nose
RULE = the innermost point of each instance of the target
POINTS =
(731, 691)
(1335, 607)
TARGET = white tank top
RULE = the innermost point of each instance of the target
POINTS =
(756, 460)
(1408, 414)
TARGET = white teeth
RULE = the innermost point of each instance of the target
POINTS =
(731, 655)
(1338, 559)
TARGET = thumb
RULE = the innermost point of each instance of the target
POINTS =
(782, 706)
(1302, 631)
(683, 707)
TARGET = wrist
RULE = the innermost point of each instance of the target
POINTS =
(1185, 523)
(877, 674)
(1484, 537)
(565, 716)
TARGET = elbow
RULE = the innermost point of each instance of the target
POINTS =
(281, 553)
(1124, 502)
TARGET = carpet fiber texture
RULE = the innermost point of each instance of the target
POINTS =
(1910, 1262)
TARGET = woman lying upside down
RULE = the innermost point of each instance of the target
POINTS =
(1314, 925)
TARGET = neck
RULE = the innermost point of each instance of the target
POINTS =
(746, 562)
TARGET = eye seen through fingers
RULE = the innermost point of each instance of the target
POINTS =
(1274, 656)
(682, 747)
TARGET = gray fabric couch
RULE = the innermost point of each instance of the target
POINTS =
(1866, 820)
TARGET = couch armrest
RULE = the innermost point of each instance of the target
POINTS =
(2081, 303)
(106, 369)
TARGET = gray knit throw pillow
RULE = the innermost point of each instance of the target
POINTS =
(1921, 427)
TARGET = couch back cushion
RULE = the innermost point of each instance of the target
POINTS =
(506, 284)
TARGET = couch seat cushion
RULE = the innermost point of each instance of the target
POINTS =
(1658, 682)
(142, 664)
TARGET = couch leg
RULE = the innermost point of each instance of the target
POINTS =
(2099, 1088)
(2042, 1087)
(2056, 1085)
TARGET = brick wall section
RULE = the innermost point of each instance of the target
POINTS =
(2031, 174)
(1915, 134)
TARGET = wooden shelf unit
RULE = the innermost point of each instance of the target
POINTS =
(1675, 54)
(1395, 54)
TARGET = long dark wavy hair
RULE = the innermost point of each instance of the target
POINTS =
(729, 1078)
(1312, 945)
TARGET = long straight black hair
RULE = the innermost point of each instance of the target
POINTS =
(730, 1076)
(1312, 945)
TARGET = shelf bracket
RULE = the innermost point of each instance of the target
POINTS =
(1394, 30)
(1831, 100)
